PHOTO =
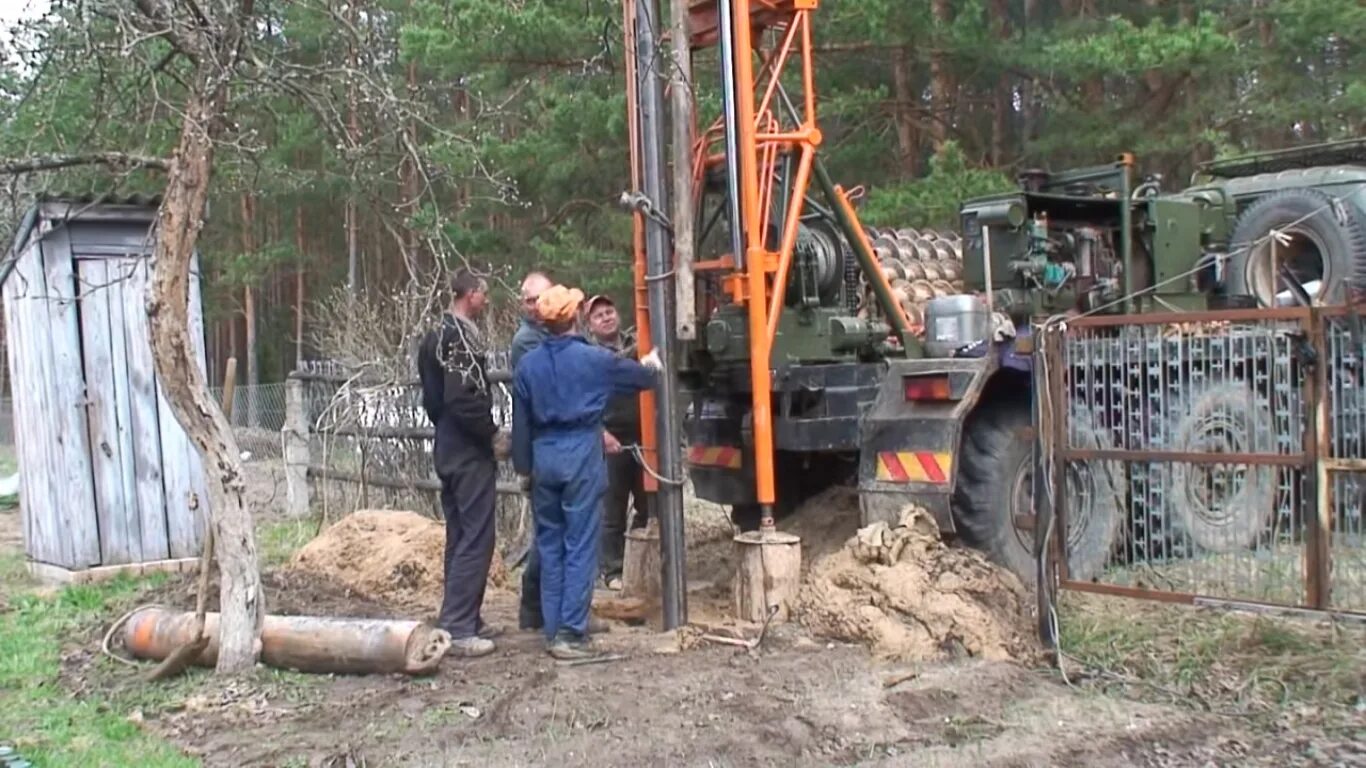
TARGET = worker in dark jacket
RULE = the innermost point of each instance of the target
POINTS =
(560, 392)
(452, 364)
(624, 504)
(530, 333)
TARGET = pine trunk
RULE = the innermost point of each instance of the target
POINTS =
(907, 129)
(249, 308)
(941, 78)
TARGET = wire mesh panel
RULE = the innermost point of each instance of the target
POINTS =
(1346, 462)
(371, 445)
(1184, 455)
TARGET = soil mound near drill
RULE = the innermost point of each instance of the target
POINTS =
(392, 556)
(902, 591)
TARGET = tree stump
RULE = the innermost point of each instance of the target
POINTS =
(767, 574)
(641, 569)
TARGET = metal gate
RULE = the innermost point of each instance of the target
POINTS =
(1206, 457)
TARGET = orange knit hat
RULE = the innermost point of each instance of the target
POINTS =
(559, 304)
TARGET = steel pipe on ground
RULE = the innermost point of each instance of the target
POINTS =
(303, 643)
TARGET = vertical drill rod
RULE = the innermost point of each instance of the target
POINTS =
(729, 107)
(649, 64)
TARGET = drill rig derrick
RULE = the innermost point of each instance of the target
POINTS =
(782, 290)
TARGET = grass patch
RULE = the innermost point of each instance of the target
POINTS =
(278, 541)
(1217, 661)
(48, 725)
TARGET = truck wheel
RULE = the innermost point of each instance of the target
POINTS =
(1223, 508)
(1323, 241)
(995, 487)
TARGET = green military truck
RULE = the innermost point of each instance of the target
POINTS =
(944, 419)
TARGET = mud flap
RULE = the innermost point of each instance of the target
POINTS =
(909, 447)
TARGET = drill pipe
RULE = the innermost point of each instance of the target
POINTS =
(660, 278)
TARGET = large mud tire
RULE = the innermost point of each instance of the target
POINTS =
(1223, 509)
(1326, 240)
(995, 484)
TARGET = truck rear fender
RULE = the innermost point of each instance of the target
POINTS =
(910, 435)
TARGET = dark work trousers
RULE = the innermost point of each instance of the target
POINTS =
(623, 505)
(529, 614)
(468, 498)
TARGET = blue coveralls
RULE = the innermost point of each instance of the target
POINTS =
(560, 392)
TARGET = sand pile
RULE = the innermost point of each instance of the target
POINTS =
(901, 590)
(391, 556)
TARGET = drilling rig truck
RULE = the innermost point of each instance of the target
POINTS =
(814, 351)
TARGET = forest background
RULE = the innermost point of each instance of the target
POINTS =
(376, 142)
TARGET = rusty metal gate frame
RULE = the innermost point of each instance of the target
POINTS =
(1315, 460)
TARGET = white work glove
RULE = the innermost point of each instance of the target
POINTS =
(652, 361)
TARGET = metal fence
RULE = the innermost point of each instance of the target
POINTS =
(370, 445)
(1213, 456)
(258, 415)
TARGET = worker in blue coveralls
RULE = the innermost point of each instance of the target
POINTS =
(560, 391)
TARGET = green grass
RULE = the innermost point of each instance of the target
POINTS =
(51, 727)
(278, 541)
(1215, 660)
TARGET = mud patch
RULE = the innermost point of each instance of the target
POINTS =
(391, 556)
(910, 597)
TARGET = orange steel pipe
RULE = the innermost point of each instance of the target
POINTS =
(755, 257)
(808, 68)
(789, 244)
(776, 70)
(648, 437)
(318, 644)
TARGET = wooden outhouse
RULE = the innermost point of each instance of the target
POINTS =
(108, 478)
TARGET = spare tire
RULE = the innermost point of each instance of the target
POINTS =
(1325, 241)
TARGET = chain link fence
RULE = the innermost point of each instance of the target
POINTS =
(258, 415)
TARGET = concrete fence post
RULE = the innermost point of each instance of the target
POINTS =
(295, 434)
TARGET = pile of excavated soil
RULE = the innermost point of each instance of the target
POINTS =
(392, 556)
(910, 597)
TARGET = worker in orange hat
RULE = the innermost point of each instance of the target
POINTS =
(559, 394)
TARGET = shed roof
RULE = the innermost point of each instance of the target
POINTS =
(70, 207)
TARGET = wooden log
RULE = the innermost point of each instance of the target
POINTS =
(304, 643)
(768, 574)
(641, 566)
(629, 609)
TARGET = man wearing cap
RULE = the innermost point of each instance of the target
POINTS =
(560, 391)
(624, 504)
(452, 363)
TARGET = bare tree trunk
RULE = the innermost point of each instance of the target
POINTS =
(907, 130)
(1003, 106)
(1029, 92)
(301, 244)
(249, 307)
(178, 227)
(353, 133)
(941, 79)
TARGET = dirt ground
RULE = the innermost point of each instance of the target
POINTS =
(676, 700)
